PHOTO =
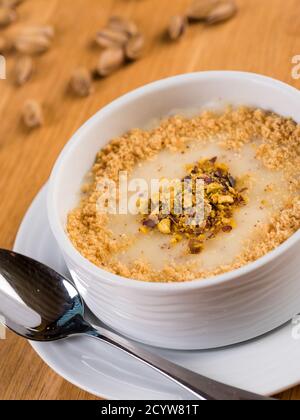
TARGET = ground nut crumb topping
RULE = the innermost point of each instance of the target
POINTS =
(279, 149)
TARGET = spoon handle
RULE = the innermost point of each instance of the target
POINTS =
(199, 386)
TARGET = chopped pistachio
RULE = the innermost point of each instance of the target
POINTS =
(221, 198)
(222, 167)
(227, 228)
(225, 199)
(144, 230)
(213, 187)
(176, 239)
(165, 226)
(151, 221)
(233, 223)
(195, 246)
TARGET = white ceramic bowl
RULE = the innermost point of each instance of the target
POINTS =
(202, 314)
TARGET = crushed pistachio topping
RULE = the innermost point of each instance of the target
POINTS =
(221, 196)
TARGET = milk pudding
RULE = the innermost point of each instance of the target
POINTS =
(236, 196)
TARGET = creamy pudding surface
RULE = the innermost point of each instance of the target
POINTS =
(247, 163)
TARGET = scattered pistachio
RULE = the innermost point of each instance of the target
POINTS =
(47, 31)
(120, 24)
(33, 40)
(23, 69)
(32, 44)
(81, 82)
(110, 60)
(108, 38)
(32, 114)
(7, 16)
(177, 27)
(200, 9)
(134, 47)
(224, 11)
(211, 11)
(11, 3)
(119, 33)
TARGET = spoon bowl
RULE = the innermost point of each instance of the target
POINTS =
(49, 306)
(41, 305)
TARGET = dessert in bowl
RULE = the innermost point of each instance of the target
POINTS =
(186, 280)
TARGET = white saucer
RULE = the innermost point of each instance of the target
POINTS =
(267, 365)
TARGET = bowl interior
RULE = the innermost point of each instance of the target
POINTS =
(193, 91)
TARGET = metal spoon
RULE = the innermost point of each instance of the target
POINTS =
(41, 305)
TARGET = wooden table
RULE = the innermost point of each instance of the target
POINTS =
(263, 38)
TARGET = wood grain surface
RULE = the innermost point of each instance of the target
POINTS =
(262, 38)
